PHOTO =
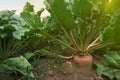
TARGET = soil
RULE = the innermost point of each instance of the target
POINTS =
(71, 71)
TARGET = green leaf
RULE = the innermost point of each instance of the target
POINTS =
(32, 19)
(28, 8)
(63, 15)
(110, 65)
(112, 62)
(11, 24)
(3, 34)
(29, 55)
(82, 8)
(19, 64)
(117, 75)
(100, 69)
(109, 73)
(9, 28)
(20, 32)
(6, 14)
(111, 33)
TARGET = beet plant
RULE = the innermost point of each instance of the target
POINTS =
(86, 25)
(12, 40)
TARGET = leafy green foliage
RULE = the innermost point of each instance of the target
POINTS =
(31, 18)
(41, 52)
(38, 26)
(19, 64)
(12, 29)
(63, 15)
(87, 25)
(114, 29)
(11, 25)
(82, 8)
(51, 26)
(110, 65)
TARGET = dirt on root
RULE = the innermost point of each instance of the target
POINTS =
(71, 71)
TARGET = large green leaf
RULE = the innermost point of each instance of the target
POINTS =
(19, 64)
(117, 74)
(63, 15)
(82, 8)
(112, 32)
(100, 69)
(110, 65)
(103, 70)
(109, 73)
(5, 15)
(11, 24)
(20, 32)
(33, 19)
